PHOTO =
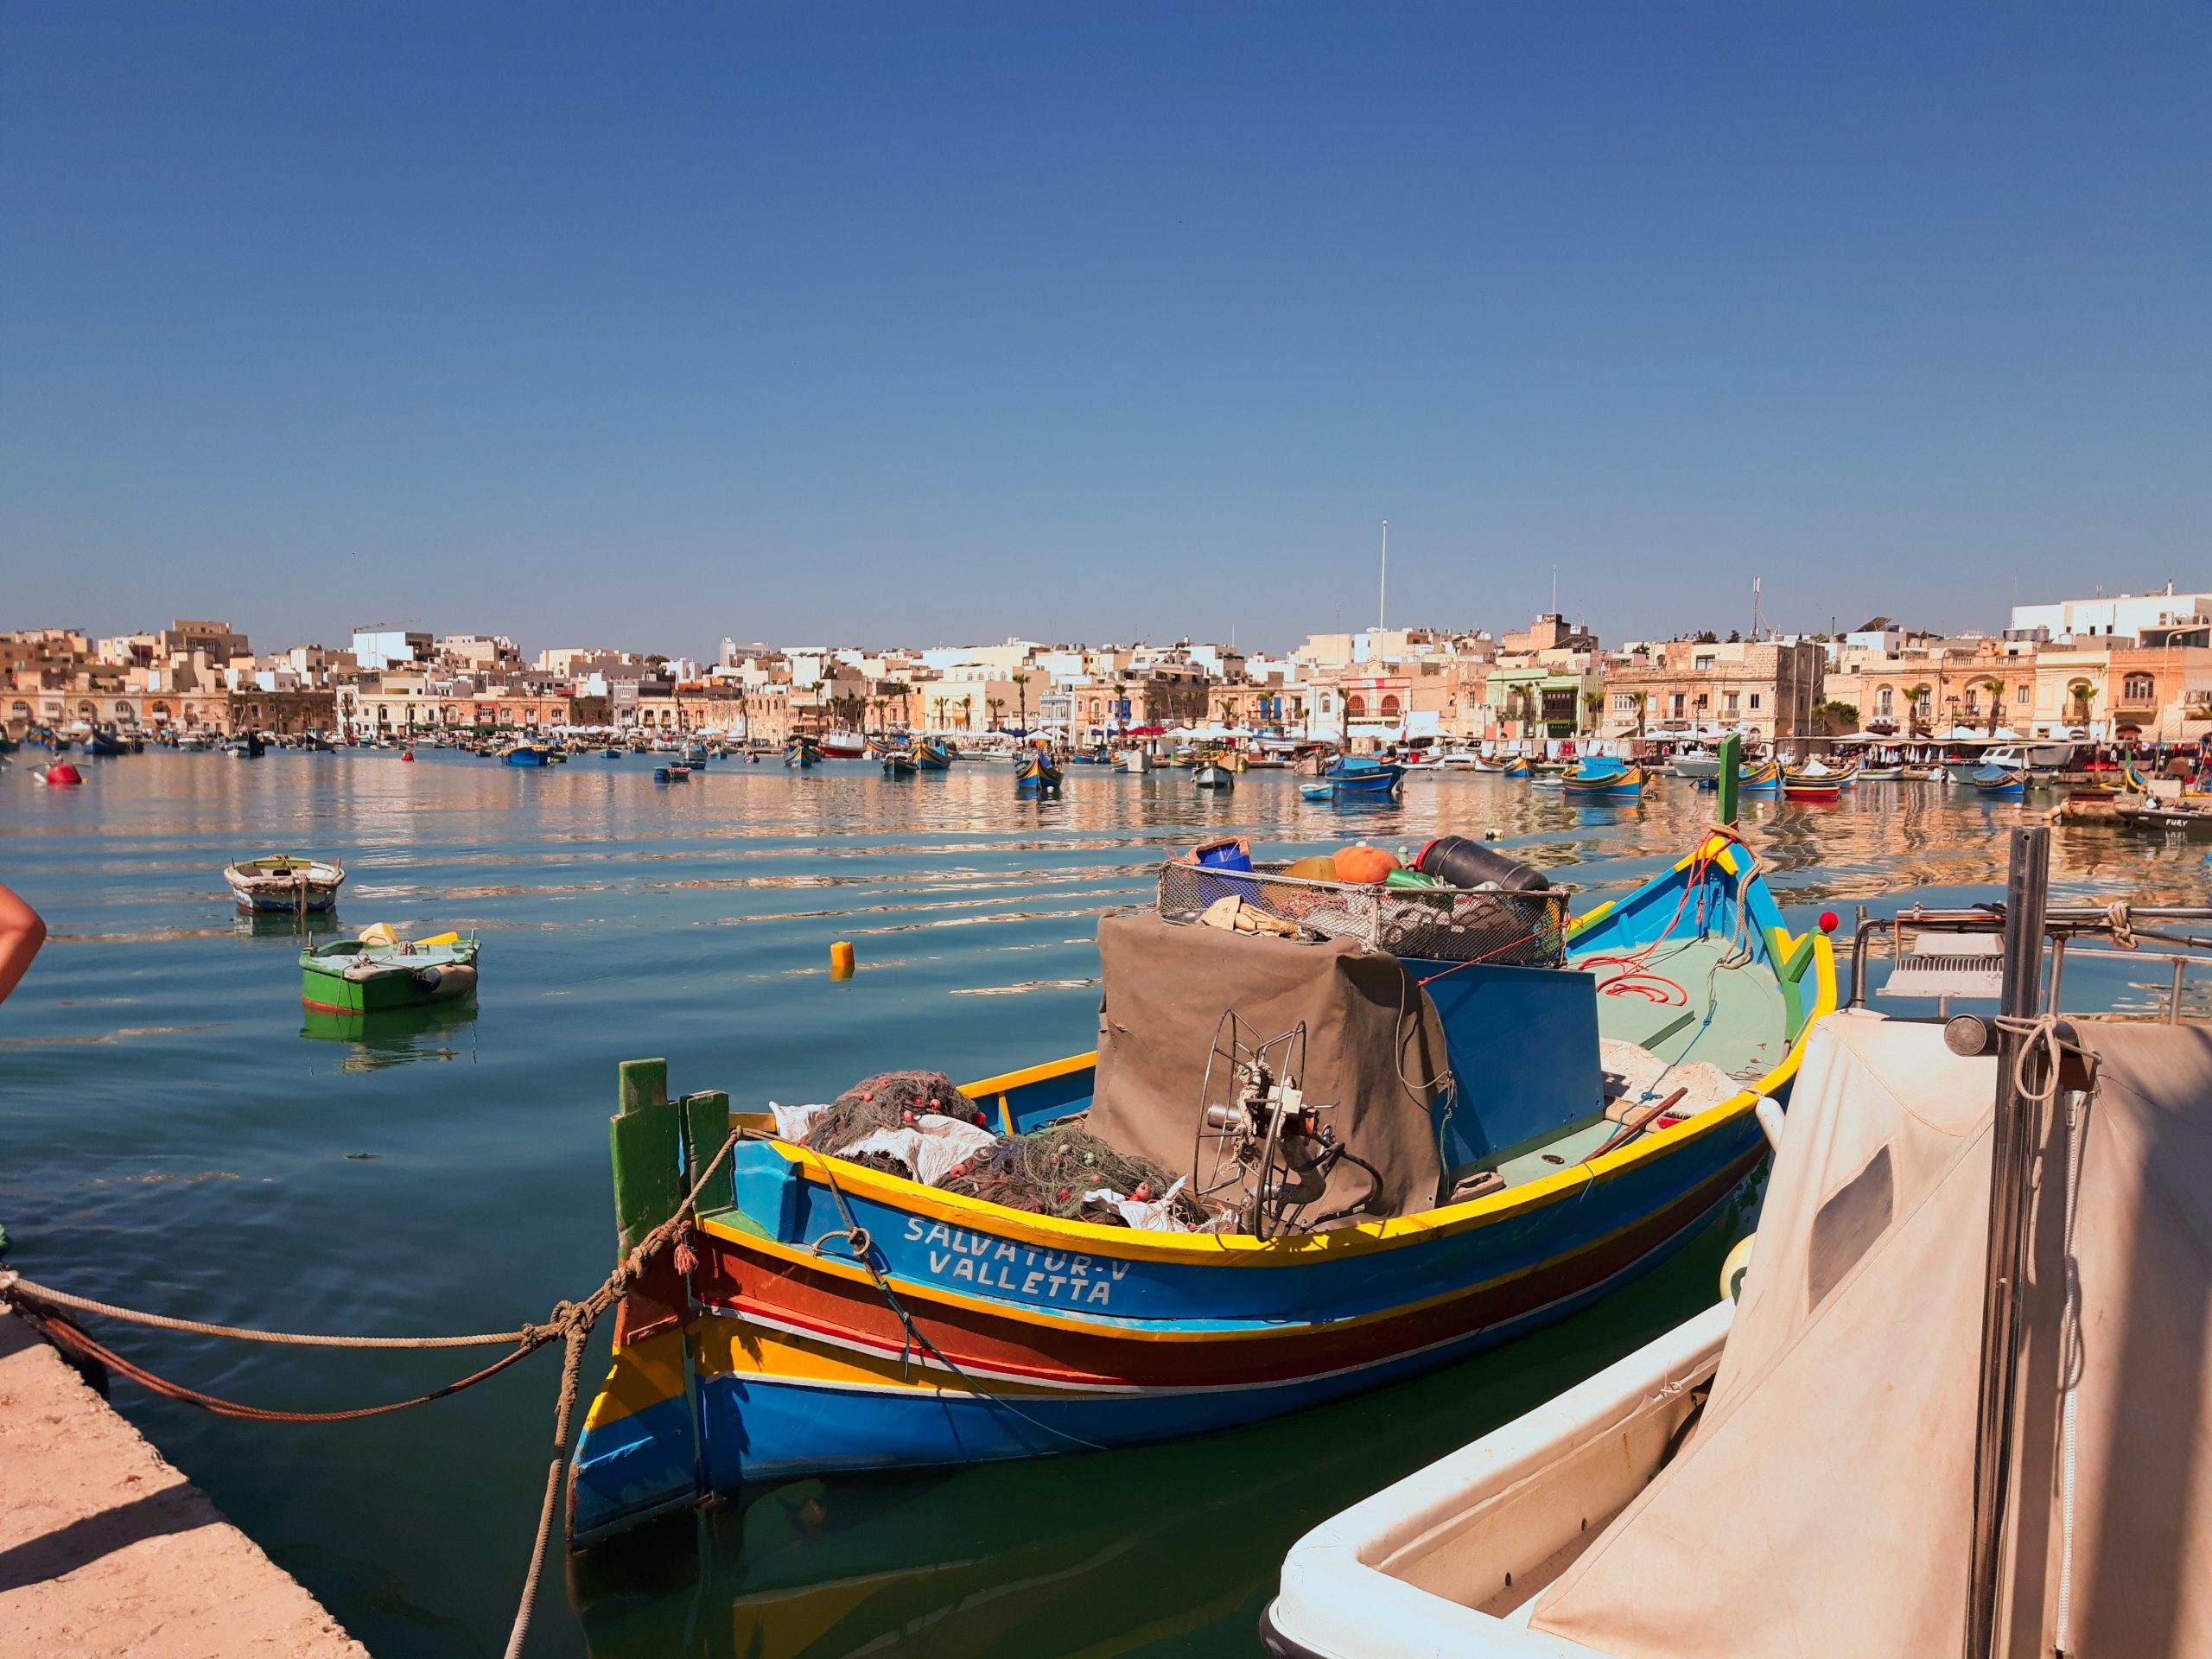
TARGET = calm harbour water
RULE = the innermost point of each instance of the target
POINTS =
(171, 1138)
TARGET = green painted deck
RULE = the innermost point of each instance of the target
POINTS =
(1737, 1019)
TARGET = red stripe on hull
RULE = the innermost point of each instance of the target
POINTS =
(732, 1280)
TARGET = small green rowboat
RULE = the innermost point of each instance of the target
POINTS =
(352, 976)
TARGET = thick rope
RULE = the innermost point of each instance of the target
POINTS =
(10, 1281)
(2123, 929)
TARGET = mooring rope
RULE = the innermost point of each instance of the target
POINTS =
(570, 1322)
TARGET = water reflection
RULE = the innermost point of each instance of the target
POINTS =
(443, 1030)
(301, 927)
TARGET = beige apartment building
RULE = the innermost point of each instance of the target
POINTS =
(1766, 689)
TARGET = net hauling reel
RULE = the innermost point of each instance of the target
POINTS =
(1262, 1149)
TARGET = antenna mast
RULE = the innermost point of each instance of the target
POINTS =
(1382, 589)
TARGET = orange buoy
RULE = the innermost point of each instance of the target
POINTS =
(842, 959)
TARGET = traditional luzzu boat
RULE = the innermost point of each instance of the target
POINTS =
(1036, 772)
(1997, 783)
(381, 970)
(526, 754)
(801, 751)
(1518, 767)
(1814, 781)
(1603, 778)
(1766, 775)
(931, 754)
(899, 763)
(1523, 1113)
(1362, 778)
(282, 881)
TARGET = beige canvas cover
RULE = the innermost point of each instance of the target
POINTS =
(1823, 1507)
(1373, 1040)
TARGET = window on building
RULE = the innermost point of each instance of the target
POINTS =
(2137, 688)
(1885, 700)
(1728, 703)
(1355, 707)
(1675, 705)
(2026, 696)
(1623, 702)
(1755, 700)
(1704, 662)
(1389, 706)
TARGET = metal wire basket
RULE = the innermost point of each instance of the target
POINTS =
(1526, 930)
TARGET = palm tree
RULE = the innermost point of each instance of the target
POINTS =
(1639, 698)
(879, 704)
(1021, 691)
(966, 704)
(1996, 690)
(1593, 703)
(2082, 696)
(1121, 691)
(995, 704)
(901, 690)
(1914, 696)
(940, 703)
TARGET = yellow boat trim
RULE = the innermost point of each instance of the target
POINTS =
(643, 1374)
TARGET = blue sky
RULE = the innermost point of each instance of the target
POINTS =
(645, 324)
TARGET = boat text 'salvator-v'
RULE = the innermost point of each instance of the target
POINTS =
(1404, 1123)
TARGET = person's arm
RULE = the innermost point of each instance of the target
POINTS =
(22, 931)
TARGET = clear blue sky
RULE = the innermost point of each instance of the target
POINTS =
(642, 324)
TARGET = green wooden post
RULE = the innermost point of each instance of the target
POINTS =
(1732, 764)
(642, 1139)
(706, 1125)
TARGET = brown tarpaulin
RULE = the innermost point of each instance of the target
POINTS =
(1823, 1508)
(1375, 1050)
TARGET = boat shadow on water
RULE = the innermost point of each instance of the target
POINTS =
(1173, 1547)
(292, 926)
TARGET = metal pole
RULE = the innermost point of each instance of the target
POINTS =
(1383, 589)
(2012, 1144)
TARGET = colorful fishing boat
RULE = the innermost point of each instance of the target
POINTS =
(1764, 776)
(1518, 767)
(380, 970)
(802, 751)
(1134, 762)
(284, 882)
(828, 1315)
(1213, 775)
(1814, 782)
(933, 755)
(1603, 778)
(108, 743)
(1361, 777)
(526, 754)
(1036, 772)
(899, 763)
(2001, 784)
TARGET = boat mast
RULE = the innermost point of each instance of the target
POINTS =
(2013, 1144)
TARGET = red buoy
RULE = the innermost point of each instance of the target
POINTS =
(62, 773)
(1828, 919)
(407, 755)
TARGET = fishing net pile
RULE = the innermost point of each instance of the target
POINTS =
(919, 1125)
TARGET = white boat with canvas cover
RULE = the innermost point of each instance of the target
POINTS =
(1820, 1502)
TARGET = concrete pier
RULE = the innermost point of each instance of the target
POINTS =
(106, 1550)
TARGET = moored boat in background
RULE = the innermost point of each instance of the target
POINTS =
(284, 881)
(380, 970)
